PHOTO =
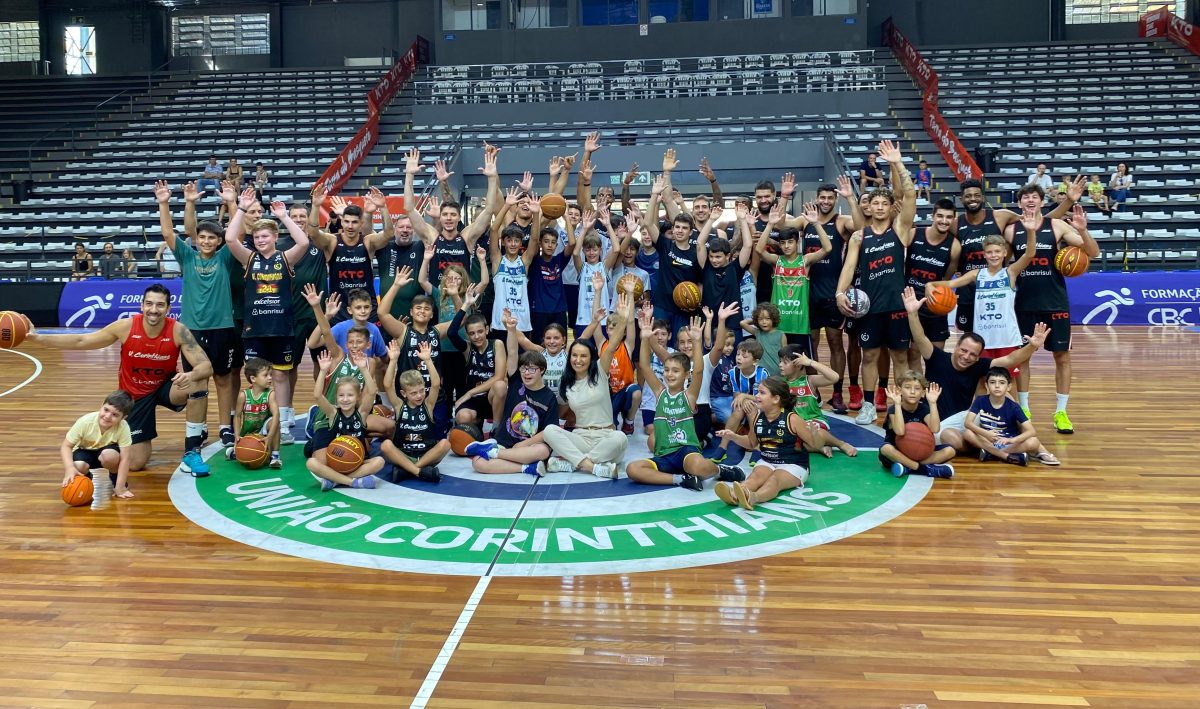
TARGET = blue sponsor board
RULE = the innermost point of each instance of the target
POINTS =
(96, 303)
(1136, 298)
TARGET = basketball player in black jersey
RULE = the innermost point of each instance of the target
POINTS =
(976, 222)
(1042, 292)
(876, 256)
(932, 255)
(267, 331)
(351, 251)
(823, 313)
(449, 243)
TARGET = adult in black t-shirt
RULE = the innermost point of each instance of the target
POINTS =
(959, 372)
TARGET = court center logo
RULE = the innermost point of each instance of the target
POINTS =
(565, 524)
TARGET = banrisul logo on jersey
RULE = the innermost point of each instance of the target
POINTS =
(563, 524)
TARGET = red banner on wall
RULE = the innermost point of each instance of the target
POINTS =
(926, 79)
(1164, 23)
(1153, 23)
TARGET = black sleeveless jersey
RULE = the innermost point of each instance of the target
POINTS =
(268, 296)
(409, 359)
(970, 240)
(447, 252)
(881, 269)
(481, 366)
(777, 444)
(414, 430)
(1040, 287)
(823, 275)
(350, 269)
(926, 263)
(351, 425)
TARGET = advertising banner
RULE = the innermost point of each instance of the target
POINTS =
(96, 303)
(1153, 23)
(1137, 298)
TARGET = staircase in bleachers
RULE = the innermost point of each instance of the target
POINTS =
(1080, 109)
(294, 121)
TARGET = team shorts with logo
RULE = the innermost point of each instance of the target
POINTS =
(276, 350)
(824, 313)
(672, 463)
(875, 330)
(223, 347)
(1059, 322)
(142, 424)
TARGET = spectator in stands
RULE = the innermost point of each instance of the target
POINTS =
(1096, 193)
(130, 263)
(1120, 183)
(168, 267)
(234, 174)
(210, 175)
(869, 175)
(110, 263)
(1041, 178)
(81, 263)
(261, 178)
(923, 179)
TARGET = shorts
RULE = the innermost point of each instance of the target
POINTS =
(539, 321)
(142, 424)
(92, 457)
(480, 405)
(647, 417)
(824, 313)
(875, 330)
(320, 440)
(672, 463)
(722, 406)
(796, 471)
(936, 327)
(1059, 322)
(1001, 352)
(622, 400)
(886, 463)
(964, 317)
(803, 340)
(300, 332)
(276, 350)
(954, 422)
(223, 347)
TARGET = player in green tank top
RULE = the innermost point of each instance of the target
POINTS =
(789, 285)
(255, 407)
(794, 364)
(677, 458)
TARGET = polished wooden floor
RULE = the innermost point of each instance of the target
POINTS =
(1076, 586)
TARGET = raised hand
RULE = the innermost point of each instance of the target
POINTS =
(597, 282)
(1040, 331)
(394, 349)
(909, 297)
(585, 172)
(787, 186)
(360, 360)
(278, 210)
(592, 143)
(324, 361)
(1076, 188)
(742, 210)
(512, 196)
(489, 149)
(889, 152)
(318, 196)
(715, 213)
(412, 162)
(489, 164)
(228, 193)
(810, 213)
(311, 294)
(631, 175)
(555, 168)
(376, 198)
(473, 293)
(1079, 218)
(933, 392)
(696, 327)
(403, 277)
(480, 254)
(646, 323)
(670, 162)
(509, 320)
(248, 198)
(162, 192)
(569, 161)
(425, 352)
(335, 302)
(433, 207)
(439, 170)
(588, 219)
(776, 215)
(190, 193)
(728, 310)
(657, 187)
(526, 182)
(893, 395)
(534, 202)
(707, 171)
(845, 187)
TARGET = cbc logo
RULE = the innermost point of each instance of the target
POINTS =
(1171, 316)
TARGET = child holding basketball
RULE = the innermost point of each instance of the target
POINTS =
(256, 408)
(913, 400)
(794, 364)
(997, 426)
(677, 458)
(101, 439)
(411, 448)
(353, 399)
(775, 432)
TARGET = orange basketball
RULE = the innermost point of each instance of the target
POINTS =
(917, 441)
(345, 454)
(1071, 261)
(638, 287)
(687, 296)
(384, 411)
(553, 205)
(13, 328)
(252, 451)
(462, 436)
(78, 492)
(941, 300)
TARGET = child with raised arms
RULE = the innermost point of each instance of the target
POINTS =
(912, 399)
(353, 399)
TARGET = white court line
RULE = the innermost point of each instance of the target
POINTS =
(447, 651)
(37, 370)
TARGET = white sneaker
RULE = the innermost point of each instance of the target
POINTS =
(866, 416)
(605, 470)
(286, 438)
(559, 465)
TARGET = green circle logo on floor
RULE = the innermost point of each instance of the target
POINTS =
(566, 524)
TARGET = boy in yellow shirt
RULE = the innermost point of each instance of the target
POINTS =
(101, 439)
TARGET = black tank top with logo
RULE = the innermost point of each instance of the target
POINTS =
(776, 442)
(881, 269)
(1040, 287)
(409, 359)
(481, 366)
(970, 241)
(350, 269)
(351, 425)
(414, 430)
(268, 296)
(823, 275)
(926, 263)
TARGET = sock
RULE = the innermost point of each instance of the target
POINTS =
(922, 469)
(1060, 401)
(274, 454)
(837, 387)
(853, 380)
(676, 479)
(192, 436)
(883, 383)
(287, 416)
(1023, 398)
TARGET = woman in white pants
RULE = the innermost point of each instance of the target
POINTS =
(595, 446)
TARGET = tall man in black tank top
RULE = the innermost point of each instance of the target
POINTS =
(823, 275)
(269, 319)
(1042, 292)
(351, 251)
(876, 255)
(977, 222)
(932, 255)
(450, 245)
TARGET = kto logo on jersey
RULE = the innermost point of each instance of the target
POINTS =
(571, 523)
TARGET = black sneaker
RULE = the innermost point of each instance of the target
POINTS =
(944, 471)
(227, 437)
(730, 474)
(691, 482)
(430, 474)
(1017, 459)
